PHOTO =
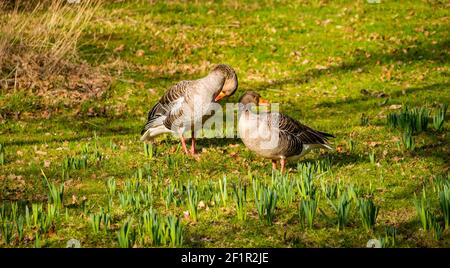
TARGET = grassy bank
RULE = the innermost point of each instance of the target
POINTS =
(340, 67)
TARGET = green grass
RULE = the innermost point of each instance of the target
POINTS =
(340, 67)
(368, 212)
(307, 211)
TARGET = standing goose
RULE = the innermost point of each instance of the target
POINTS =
(275, 135)
(188, 104)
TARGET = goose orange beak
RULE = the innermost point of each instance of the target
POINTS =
(263, 102)
(220, 96)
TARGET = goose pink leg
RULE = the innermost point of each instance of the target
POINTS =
(283, 165)
(183, 143)
(274, 164)
(193, 143)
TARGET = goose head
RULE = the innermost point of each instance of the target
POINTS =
(251, 98)
(229, 77)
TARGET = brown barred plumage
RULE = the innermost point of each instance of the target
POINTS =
(169, 114)
(164, 105)
(293, 135)
(292, 139)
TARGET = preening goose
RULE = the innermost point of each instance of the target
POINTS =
(188, 104)
(275, 135)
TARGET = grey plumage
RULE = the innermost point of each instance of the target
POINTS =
(275, 135)
(187, 103)
(294, 135)
(165, 104)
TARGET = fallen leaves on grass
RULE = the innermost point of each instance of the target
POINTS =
(119, 48)
(47, 163)
(395, 106)
(377, 94)
(184, 68)
(140, 53)
(14, 187)
(38, 60)
(40, 152)
(201, 205)
(386, 73)
(374, 143)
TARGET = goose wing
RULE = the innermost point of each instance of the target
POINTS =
(293, 134)
(168, 106)
(170, 99)
(307, 135)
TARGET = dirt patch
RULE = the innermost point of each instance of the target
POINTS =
(72, 84)
(39, 65)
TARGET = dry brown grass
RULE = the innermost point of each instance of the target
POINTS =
(38, 50)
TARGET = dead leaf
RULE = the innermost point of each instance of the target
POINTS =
(364, 92)
(325, 22)
(296, 53)
(381, 94)
(186, 215)
(387, 73)
(120, 48)
(395, 106)
(140, 53)
(374, 143)
(41, 152)
(74, 200)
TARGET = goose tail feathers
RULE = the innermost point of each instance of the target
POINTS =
(150, 132)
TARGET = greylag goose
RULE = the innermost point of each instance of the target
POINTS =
(275, 135)
(187, 105)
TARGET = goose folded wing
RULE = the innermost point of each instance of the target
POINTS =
(171, 100)
(304, 133)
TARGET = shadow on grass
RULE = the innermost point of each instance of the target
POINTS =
(396, 94)
(422, 52)
(74, 129)
(337, 159)
(411, 230)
